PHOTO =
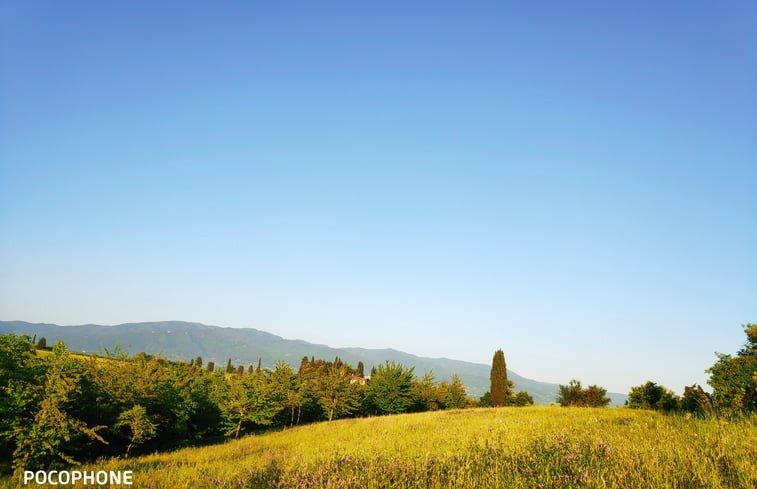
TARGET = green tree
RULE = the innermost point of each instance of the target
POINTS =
(140, 425)
(49, 439)
(734, 378)
(205, 418)
(425, 393)
(485, 400)
(696, 400)
(229, 367)
(652, 396)
(198, 362)
(21, 391)
(211, 366)
(522, 398)
(283, 382)
(248, 399)
(453, 395)
(308, 380)
(159, 386)
(360, 370)
(574, 395)
(390, 389)
(335, 393)
(570, 395)
(501, 388)
(42, 344)
(594, 396)
(645, 396)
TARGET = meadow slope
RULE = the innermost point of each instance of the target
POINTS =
(534, 447)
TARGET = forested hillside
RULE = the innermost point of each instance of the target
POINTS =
(60, 407)
(178, 340)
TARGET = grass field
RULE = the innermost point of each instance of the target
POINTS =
(79, 356)
(535, 447)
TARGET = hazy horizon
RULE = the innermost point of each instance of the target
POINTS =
(574, 184)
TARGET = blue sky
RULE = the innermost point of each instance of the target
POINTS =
(574, 184)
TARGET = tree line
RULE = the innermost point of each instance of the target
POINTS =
(58, 408)
(733, 380)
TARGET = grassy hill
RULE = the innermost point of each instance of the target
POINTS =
(547, 447)
(178, 340)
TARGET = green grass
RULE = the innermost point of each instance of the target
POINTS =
(535, 447)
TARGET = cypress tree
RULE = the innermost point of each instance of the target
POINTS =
(360, 370)
(229, 367)
(198, 362)
(304, 364)
(260, 361)
(211, 366)
(499, 385)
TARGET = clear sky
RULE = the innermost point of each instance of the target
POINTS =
(572, 182)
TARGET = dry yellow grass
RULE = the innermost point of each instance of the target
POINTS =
(536, 447)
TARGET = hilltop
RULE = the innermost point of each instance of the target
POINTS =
(179, 340)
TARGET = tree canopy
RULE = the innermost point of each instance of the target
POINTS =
(574, 395)
(60, 408)
(652, 396)
(734, 378)
(390, 388)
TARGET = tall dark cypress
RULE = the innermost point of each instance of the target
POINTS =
(304, 365)
(499, 385)
(360, 371)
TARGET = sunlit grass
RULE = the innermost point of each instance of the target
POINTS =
(79, 356)
(536, 447)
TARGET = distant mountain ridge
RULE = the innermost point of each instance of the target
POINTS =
(179, 340)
